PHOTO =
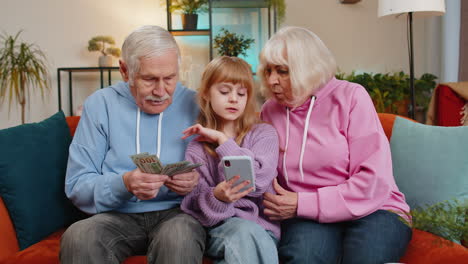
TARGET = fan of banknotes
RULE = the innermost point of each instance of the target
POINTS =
(151, 164)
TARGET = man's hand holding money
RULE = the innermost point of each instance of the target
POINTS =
(179, 177)
(144, 186)
(183, 183)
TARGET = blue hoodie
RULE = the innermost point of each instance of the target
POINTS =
(106, 137)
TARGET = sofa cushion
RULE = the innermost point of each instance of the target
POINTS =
(32, 175)
(430, 163)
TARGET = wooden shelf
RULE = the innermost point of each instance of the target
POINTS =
(239, 4)
(190, 32)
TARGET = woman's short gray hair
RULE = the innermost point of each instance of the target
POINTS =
(310, 62)
(146, 42)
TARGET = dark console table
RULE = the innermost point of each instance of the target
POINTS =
(71, 70)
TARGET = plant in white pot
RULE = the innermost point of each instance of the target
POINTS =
(23, 69)
(99, 43)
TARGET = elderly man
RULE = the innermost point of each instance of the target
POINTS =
(134, 212)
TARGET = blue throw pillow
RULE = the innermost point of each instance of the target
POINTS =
(33, 159)
(430, 163)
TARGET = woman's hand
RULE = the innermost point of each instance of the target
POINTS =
(205, 134)
(281, 206)
(225, 191)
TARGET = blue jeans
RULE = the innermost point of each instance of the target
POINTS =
(168, 236)
(241, 241)
(377, 238)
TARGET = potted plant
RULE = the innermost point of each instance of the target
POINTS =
(22, 69)
(98, 43)
(190, 10)
(231, 44)
(390, 91)
(447, 219)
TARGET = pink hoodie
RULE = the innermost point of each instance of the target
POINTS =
(339, 160)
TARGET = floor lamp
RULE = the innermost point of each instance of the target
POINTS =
(410, 7)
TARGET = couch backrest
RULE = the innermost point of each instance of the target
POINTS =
(387, 121)
(72, 122)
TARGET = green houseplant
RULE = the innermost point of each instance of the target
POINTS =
(99, 43)
(390, 91)
(231, 44)
(189, 6)
(22, 70)
(447, 219)
(190, 10)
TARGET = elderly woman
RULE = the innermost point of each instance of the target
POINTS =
(336, 191)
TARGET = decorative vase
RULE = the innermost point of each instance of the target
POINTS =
(105, 61)
(189, 21)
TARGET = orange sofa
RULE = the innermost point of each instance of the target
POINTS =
(424, 247)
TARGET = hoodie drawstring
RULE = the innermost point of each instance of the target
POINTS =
(285, 172)
(304, 139)
(158, 153)
(304, 136)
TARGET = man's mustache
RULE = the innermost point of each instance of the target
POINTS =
(157, 98)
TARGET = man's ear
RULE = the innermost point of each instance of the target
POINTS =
(124, 70)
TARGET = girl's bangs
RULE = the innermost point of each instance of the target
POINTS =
(232, 73)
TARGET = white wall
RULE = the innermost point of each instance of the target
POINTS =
(359, 40)
(62, 29)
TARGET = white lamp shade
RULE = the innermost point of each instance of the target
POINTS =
(422, 7)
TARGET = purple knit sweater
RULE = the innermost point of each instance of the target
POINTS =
(261, 144)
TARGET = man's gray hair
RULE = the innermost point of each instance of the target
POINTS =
(146, 42)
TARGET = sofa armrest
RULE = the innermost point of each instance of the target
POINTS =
(427, 248)
(8, 240)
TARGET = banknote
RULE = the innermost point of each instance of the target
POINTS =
(150, 163)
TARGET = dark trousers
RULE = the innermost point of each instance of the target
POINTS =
(375, 239)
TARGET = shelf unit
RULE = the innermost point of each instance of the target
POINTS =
(252, 18)
(70, 70)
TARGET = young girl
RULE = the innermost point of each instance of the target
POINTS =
(238, 231)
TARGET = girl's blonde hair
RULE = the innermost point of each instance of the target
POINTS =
(231, 70)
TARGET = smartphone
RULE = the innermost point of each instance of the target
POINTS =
(239, 165)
